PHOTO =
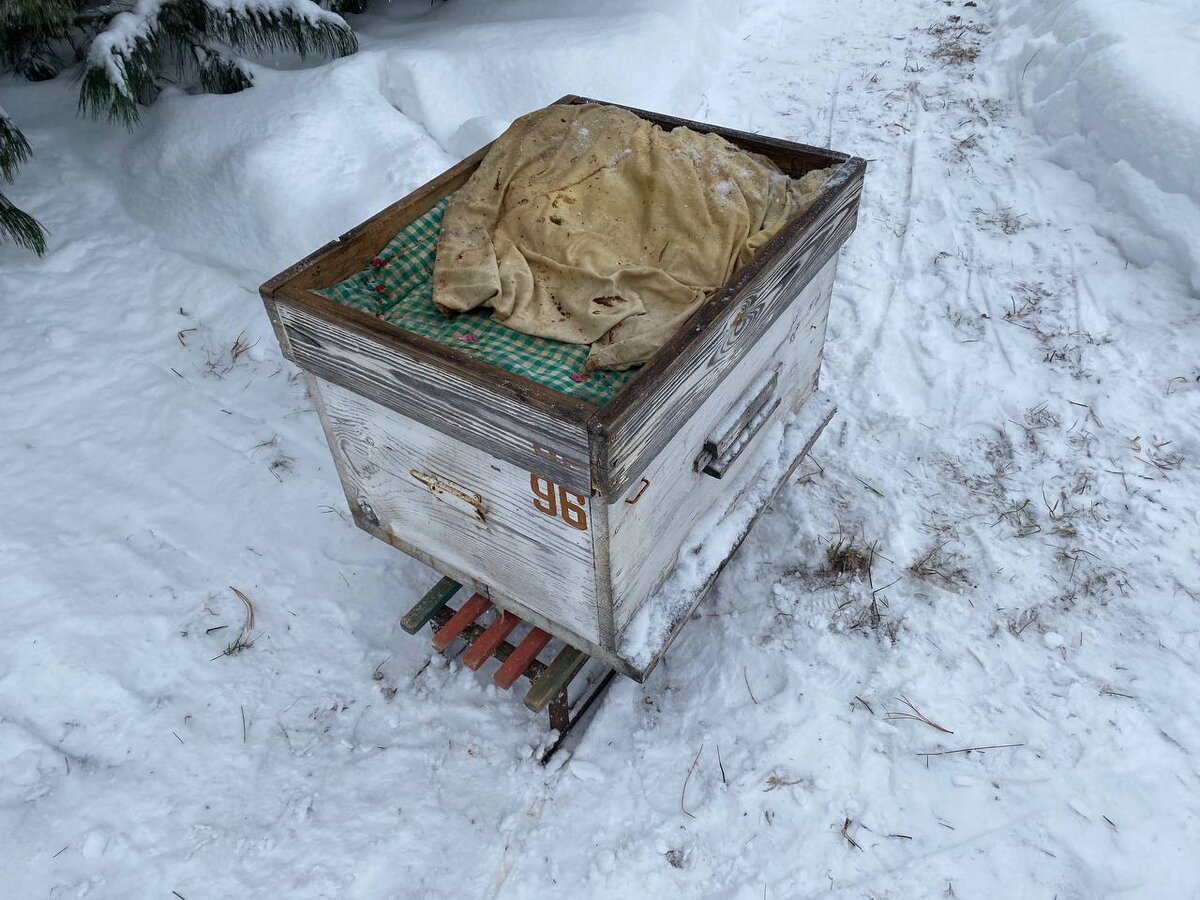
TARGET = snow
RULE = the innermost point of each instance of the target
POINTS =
(1111, 85)
(1012, 352)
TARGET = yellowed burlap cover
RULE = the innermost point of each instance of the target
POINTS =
(591, 225)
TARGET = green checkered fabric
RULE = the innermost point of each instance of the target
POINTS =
(397, 286)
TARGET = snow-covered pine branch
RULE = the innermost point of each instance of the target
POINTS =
(199, 40)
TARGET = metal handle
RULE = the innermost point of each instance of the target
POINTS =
(735, 431)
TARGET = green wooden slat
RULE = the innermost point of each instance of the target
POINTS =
(427, 607)
(557, 675)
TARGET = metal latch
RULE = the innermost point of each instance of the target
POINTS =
(733, 433)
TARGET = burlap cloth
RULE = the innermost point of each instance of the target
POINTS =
(591, 225)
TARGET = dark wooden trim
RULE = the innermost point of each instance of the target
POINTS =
(348, 253)
(795, 159)
(500, 381)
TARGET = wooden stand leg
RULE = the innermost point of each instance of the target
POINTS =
(560, 712)
(580, 712)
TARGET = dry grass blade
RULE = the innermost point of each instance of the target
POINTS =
(915, 715)
(242, 643)
(971, 749)
(240, 346)
(846, 834)
(746, 677)
(687, 778)
(249, 626)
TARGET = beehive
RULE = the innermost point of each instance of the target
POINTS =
(573, 514)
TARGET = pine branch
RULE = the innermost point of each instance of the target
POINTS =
(260, 27)
(15, 224)
(127, 58)
(23, 229)
(121, 72)
(31, 33)
(218, 74)
(14, 149)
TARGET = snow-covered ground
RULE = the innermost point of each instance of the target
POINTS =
(1015, 352)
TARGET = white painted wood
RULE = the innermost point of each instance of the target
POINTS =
(477, 517)
(431, 391)
(455, 503)
(644, 537)
(717, 535)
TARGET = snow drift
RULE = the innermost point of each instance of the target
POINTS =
(1112, 87)
(307, 154)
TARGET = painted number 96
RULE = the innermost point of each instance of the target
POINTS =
(555, 500)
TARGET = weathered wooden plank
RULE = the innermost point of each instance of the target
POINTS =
(491, 417)
(516, 664)
(639, 422)
(426, 608)
(493, 636)
(644, 537)
(475, 607)
(441, 499)
(556, 677)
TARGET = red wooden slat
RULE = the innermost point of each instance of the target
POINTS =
(485, 645)
(526, 651)
(467, 613)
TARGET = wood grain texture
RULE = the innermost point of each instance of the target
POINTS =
(645, 537)
(511, 547)
(642, 418)
(488, 417)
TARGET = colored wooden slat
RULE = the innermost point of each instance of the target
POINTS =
(486, 644)
(557, 676)
(467, 613)
(427, 607)
(516, 664)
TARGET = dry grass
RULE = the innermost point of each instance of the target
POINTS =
(1027, 298)
(775, 782)
(915, 715)
(957, 41)
(281, 465)
(1002, 219)
(233, 649)
(1018, 625)
(939, 564)
(845, 557)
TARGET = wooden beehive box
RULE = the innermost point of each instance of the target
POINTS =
(569, 514)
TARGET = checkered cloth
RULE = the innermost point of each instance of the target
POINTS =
(397, 286)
